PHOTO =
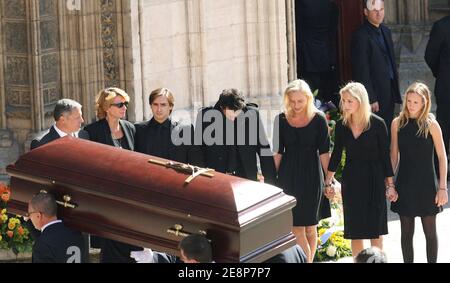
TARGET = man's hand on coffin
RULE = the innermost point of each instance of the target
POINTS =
(144, 256)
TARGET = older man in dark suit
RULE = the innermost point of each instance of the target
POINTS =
(57, 243)
(373, 61)
(437, 56)
(68, 119)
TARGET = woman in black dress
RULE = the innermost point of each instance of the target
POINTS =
(415, 135)
(367, 169)
(301, 136)
(111, 129)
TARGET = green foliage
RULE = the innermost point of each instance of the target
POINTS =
(333, 117)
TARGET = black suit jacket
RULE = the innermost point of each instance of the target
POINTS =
(100, 132)
(437, 56)
(59, 244)
(370, 64)
(185, 153)
(53, 135)
(215, 156)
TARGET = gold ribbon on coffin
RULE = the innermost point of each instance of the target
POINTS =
(194, 171)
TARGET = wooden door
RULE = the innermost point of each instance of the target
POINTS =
(351, 16)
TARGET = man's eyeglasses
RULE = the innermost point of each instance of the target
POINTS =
(28, 214)
(120, 104)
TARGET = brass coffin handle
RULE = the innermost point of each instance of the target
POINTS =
(177, 230)
(66, 202)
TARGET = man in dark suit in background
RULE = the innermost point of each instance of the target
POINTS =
(437, 56)
(373, 61)
(68, 120)
(231, 135)
(162, 137)
(316, 24)
(57, 243)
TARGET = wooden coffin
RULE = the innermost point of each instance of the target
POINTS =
(118, 194)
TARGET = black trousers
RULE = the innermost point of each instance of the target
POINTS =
(443, 118)
(387, 109)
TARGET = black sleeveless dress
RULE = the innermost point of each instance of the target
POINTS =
(416, 182)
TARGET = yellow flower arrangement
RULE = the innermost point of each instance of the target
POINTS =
(331, 244)
(12, 234)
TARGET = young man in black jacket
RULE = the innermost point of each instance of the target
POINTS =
(163, 137)
(231, 135)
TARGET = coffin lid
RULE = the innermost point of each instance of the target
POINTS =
(123, 174)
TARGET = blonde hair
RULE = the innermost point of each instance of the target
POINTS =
(425, 118)
(106, 97)
(303, 87)
(362, 115)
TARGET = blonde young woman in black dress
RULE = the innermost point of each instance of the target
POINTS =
(367, 176)
(301, 136)
(416, 135)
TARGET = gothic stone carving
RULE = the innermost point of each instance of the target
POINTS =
(109, 39)
(14, 8)
(50, 68)
(47, 7)
(51, 95)
(18, 112)
(49, 35)
(16, 71)
(17, 97)
(16, 37)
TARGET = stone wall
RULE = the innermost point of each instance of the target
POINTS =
(198, 48)
(410, 25)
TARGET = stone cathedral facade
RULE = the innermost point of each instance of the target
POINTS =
(53, 49)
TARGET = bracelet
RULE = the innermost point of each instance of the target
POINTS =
(390, 187)
(443, 189)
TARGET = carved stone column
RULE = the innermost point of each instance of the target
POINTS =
(89, 50)
(16, 81)
(131, 73)
(291, 39)
(45, 61)
(198, 84)
(267, 49)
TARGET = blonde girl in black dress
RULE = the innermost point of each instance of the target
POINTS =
(367, 175)
(416, 135)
